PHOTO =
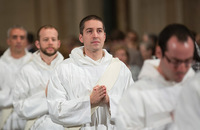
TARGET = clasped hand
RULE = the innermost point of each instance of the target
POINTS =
(99, 96)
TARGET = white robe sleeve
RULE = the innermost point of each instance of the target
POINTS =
(5, 86)
(148, 109)
(29, 104)
(62, 109)
(130, 114)
(5, 96)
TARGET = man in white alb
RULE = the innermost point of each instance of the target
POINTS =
(29, 98)
(14, 57)
(149, 104)
(84, 90)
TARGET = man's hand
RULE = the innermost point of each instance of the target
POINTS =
(98, 93)
(106, 99)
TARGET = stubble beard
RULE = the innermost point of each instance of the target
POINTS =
(48, 54)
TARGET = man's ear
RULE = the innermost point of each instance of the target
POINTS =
(81, 38)
(8, 42)
(37, 44)
(104, 37)
(59, 43)
(158, 52)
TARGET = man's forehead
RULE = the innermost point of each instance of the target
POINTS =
(17, 31)
(174, 42)
(48, 31)
(93, 24)
(180, 49)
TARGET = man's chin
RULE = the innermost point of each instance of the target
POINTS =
(19, 50)
(50, 53)
(179, 78)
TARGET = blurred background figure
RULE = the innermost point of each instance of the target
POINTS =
(151, 38)
(31, 42)
(131, 40)
(67, 45)
(15, 57)
(147, 50)
(116, 38)
(196, 63)
(122, 53)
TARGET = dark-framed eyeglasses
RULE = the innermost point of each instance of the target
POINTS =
(177, 62)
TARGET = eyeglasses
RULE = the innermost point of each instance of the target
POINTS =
(176, 63)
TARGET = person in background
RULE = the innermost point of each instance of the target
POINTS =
(84, 90)
(150, 37)
(31, 46)
(153, 39)
(29, 97)
(131, 41)
(115, 38)
(122, 53)
(196, 63)
(15, 57)
(67, 46)
(146, 50)
(150, 103)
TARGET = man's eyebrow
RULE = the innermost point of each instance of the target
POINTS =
(88, 28)
(183, 60)
(92, 28)
(14, 36)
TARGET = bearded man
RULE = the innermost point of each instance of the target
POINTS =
(29, 94)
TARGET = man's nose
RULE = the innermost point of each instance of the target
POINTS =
(19, 39)
(95, 34)
(183, 67)
(50, 41)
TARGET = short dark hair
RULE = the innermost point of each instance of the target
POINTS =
(178, 30)
(45, 27)
(87, 18)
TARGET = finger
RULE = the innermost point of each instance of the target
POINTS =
(96, 87)
(104, 87)
(103, 92)
(102, 96)
(99, 89)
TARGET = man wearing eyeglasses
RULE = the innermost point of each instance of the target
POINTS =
(149, 104)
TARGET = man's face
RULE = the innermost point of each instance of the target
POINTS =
(177, 59)
(48, 43)
(131, 37)
(121, 54)
(146, 54)
(17, 40)
(93, 36)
